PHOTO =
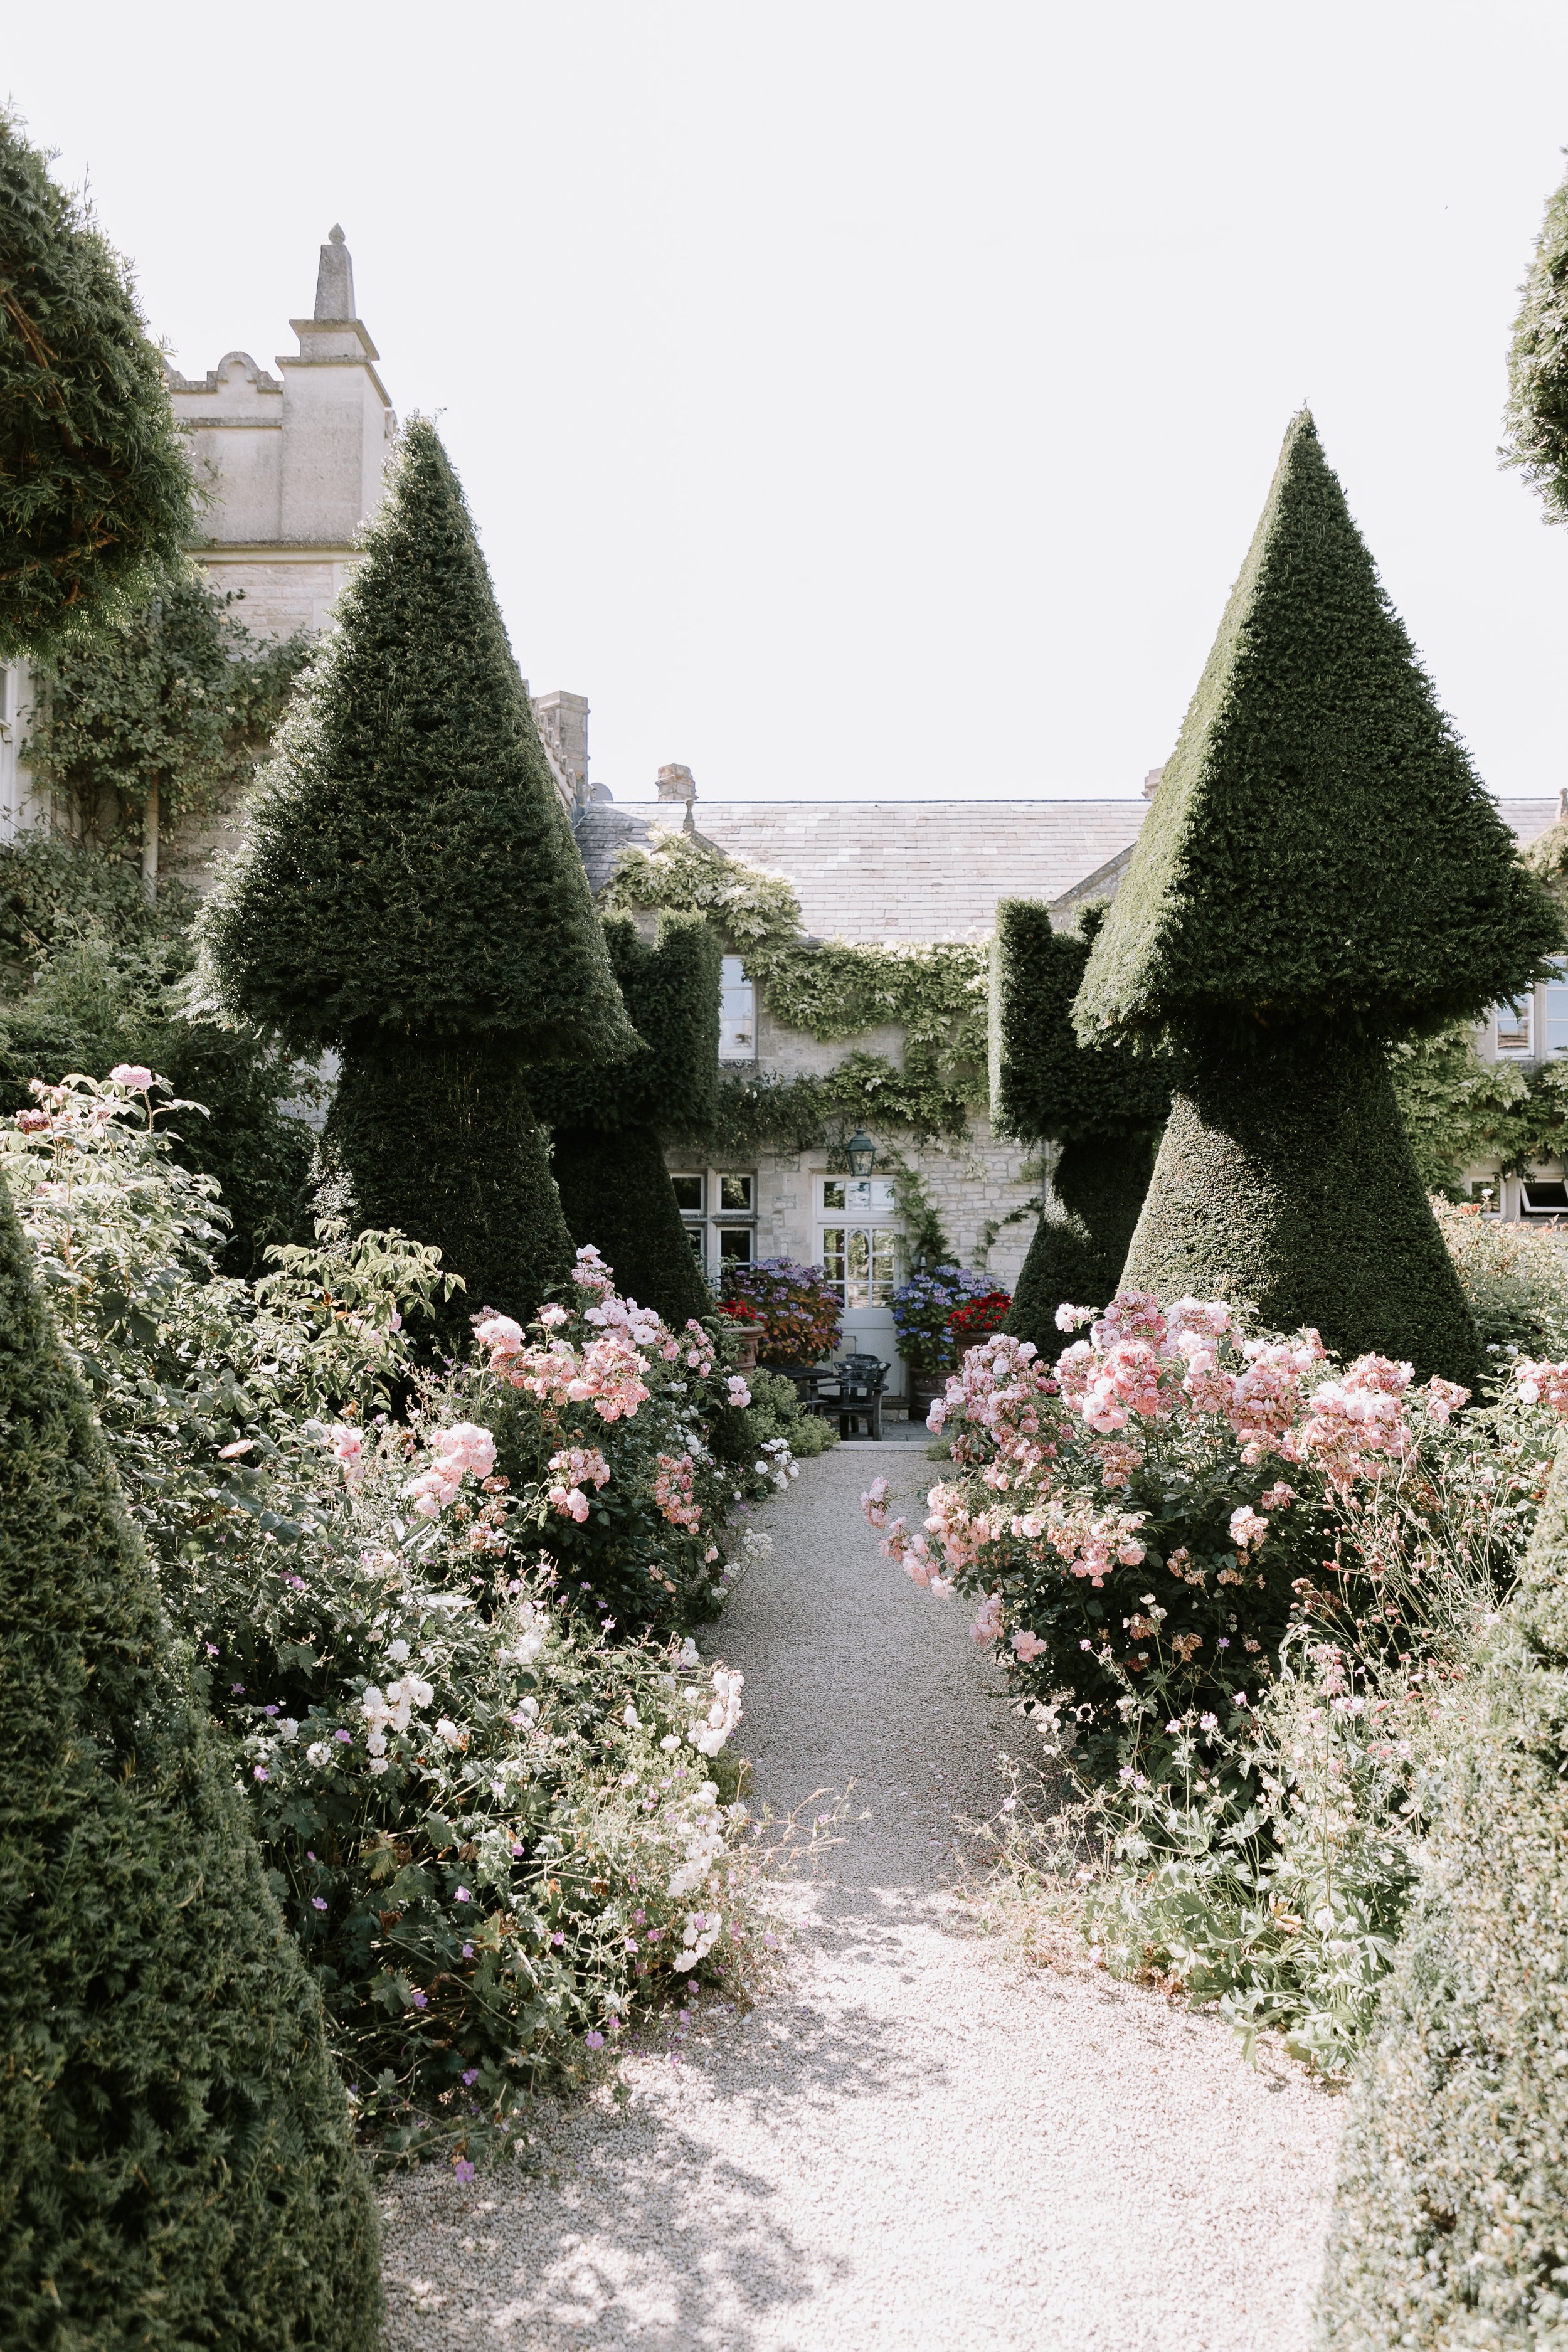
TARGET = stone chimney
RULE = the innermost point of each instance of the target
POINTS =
(677, 784)
(562, 720)
(1151, 782)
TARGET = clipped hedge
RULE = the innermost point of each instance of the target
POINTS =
(177, 2165)
(1285, 1185)
(609, 1156)
(1081, 1241)
(439, 1140)
(616, 1192)
(1448, 2229)
(1043, 1083)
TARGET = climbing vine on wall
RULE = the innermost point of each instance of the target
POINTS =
(935, 992)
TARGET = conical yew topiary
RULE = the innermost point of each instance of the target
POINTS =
(1102, 1104)
(176, 2163)
(408, 891)
(1320, 870)
(608, 1155)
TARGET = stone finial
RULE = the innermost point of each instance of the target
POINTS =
(677, 784)
(335, 279)
(1151, 782)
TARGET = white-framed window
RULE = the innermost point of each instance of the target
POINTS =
(861, 1263)
(1545, 1196)
(737, 1013)
(719, 1209)
(1556, 1012)
(860, 1195)
(1485, 1191)
(1515, 1021)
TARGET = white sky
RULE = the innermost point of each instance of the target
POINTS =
(867, 397)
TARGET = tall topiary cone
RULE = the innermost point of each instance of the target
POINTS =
(1453, 2185)
(1102, 1105)
(408, 891)
(176, 2163)
(1320, 871)
(609, 1156)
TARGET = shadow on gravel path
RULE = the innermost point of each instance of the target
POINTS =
(919, 2146)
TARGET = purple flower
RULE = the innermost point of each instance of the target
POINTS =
(470, 2076)
(594, 2041)
(236, 1690)
(463, 1895)
(297, 1582)
(318, 1903)
(212, 1649)
(467, 1951)
(420, 2000)
(269, 1710)
(464, 2171)
(558, 1938)
(346, 1737)
(259, 1772)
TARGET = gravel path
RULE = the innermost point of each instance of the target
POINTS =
(920, 2146)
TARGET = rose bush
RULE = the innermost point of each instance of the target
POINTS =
(1134, 1522)
(500, 1829)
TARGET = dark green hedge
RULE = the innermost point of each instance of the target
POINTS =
(1043, 1082)
(407, 862)
(440, 1141)
(671, 994)
(177, 2165)
(1285, 1185)
(1319, 848)
(1082, 1241)
(1452, 2204)
(616, 1192)
(95, 483)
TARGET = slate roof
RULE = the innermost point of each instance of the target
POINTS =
(906, 870)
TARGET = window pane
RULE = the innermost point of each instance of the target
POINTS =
(737, 1013)
(698, 1236)
(688, 1193)
(735, 1245)
(1486, 1192)
(1513, 1025)
(833, 1257)
(735, 1193)
(884, 1267)
(833, 1192)
(857, 1266)
(1557, 1011)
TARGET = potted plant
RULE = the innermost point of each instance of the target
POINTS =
(747, 1330)
(797, 1310)
(921, 1309)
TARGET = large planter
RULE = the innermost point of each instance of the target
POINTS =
(745, 1350)
(924, 1389)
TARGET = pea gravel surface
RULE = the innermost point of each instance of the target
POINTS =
(917, 2145)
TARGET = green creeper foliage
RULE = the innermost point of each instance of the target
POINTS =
(616, 1192)
(1319, 849)
(1082, 1241)
(176, 2165)
(439, 1140)
(670, 1078)
(1286, 1185)
(95, 484)
(1449, 2225)
(409, 865)
(1535, 431)
(173, 698)
(1044, 1083)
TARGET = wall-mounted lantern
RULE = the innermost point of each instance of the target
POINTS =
(861, 1154)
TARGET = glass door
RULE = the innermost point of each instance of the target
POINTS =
(859, 1244)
